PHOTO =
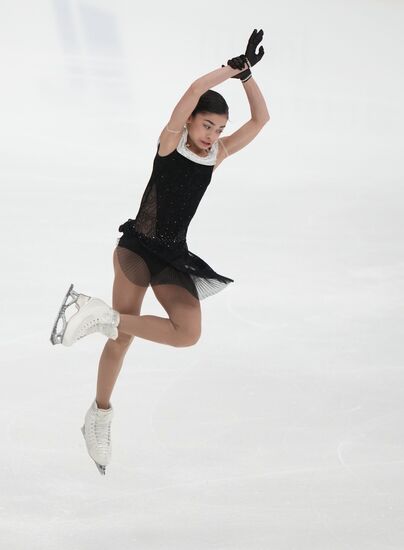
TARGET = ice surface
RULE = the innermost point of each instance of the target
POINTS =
(282, 428)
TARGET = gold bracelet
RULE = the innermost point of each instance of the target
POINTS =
(173, 131)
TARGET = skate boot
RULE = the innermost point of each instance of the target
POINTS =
(96, 431)
(93, 315)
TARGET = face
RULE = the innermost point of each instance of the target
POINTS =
(204, 129)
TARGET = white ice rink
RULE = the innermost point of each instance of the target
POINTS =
(282, 428)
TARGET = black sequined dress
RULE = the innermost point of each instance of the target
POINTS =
(153, 248)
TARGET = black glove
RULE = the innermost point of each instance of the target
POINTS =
(250, 56)
(253, 42)
(238, 63)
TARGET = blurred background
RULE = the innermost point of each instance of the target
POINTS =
(282, 427)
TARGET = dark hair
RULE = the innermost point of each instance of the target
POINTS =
(211, 102)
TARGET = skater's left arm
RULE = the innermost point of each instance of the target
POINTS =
(259, 117)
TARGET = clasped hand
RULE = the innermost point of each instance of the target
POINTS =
(250, 56)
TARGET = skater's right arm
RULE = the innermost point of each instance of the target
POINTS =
(182, 111)
(170, 134)
(189, 100)
(209, 80)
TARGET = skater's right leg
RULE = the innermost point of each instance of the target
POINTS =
(127, 298)
(109, 367)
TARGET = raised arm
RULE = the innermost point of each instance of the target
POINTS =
(258, 106)
(188, 102)
(259, 117)
(259, 112)
(209, 80)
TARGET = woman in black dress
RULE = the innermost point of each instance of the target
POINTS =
(153, 249)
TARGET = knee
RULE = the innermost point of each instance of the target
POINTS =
(123, 341)
(188, 338)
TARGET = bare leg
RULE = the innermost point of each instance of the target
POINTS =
(108, 370)
(150, 327)
(127, 298)
(184, 312)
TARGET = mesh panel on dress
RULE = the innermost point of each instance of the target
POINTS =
(133, 266)
(143, 268)
(171, 276)
(145, 221)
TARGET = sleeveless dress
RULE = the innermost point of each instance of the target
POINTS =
(153, 248)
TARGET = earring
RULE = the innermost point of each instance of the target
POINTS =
(187, 144)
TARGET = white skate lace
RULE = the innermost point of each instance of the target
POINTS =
(88, 329)
(99, 325)
(102, 430)
(94, 325)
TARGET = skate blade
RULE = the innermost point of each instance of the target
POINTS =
(100, 467)
(57, 338)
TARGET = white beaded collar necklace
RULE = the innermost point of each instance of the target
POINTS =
(182, 148)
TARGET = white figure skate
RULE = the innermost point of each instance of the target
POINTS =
(96, 431)
(93, 315)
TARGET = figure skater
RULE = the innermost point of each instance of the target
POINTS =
(153, 248)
